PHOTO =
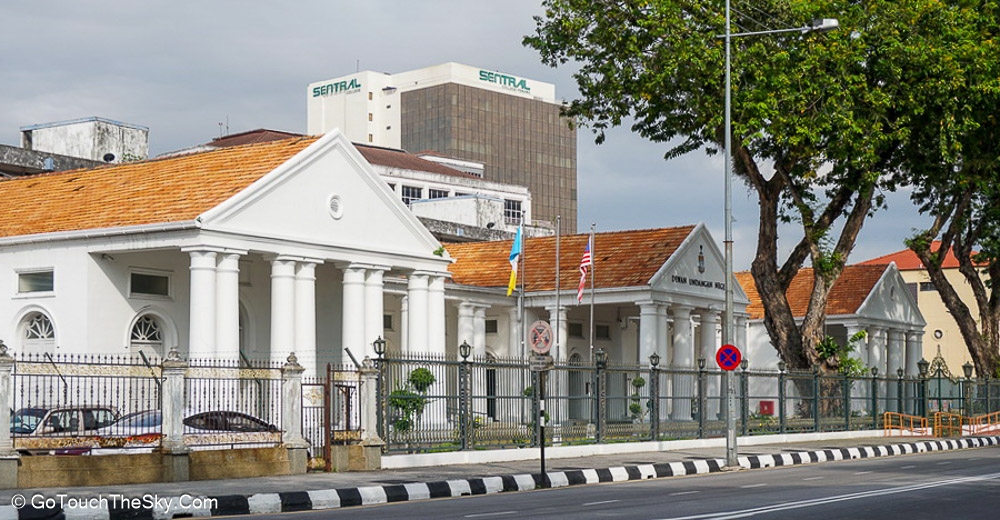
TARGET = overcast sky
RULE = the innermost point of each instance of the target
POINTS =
(180, 68)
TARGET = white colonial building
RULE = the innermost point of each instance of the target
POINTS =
(871, 298)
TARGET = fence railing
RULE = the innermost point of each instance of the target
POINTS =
(431, 403)
(79, 403)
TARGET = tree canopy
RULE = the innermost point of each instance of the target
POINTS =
(820, 122)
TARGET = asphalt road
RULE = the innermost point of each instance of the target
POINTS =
(958, 484)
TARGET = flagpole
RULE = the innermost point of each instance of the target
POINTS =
(520, 297)
(558, 295)
(593, 275)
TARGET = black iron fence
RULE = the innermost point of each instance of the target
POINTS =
(81, 403)
(431, 403)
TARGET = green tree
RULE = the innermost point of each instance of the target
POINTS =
(819, 120)
(954, 163)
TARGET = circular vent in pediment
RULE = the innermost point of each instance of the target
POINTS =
(336, 206)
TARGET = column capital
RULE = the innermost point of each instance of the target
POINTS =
(648, 305)
(914, 335)
(206, 249)
(709, 315)
(683, 311)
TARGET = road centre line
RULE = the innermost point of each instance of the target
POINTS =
(748, 486)
(813, 478)
(601, 502)
(497, 513)
(746, 513)
(684, 493)
(911, 466)
(862, 472)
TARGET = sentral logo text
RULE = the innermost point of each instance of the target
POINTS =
(505, 81)
(340, 87)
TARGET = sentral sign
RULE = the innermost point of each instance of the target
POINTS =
(507, 82)
(337, 87)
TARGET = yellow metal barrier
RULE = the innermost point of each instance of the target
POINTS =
(905, 425)
(947, 424)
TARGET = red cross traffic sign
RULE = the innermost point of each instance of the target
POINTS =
(540, 337)
(728, 357)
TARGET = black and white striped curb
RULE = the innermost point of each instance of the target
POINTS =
(200, 506)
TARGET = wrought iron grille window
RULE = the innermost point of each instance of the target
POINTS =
(39, 328)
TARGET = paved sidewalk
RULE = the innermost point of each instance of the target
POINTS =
(322, 481)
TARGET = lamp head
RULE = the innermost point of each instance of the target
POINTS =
(701, 363)
(824, 25)
(922, 366)
(874, 371)
(464, 350)
(899, 372)
(744, 364)
(782, 365)
(379, 346)
(601, 358)
(654, 360)
(967, 368)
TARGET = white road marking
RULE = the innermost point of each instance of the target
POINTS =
(813, 478)
(746, 513)
(862, 472)
(748, 486)
(908, 467)
(498, 513)
(684, 493)
(943, 463)
(601, 502)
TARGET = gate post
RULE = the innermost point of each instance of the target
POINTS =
(8, 457)
(701, 398)
(847, 403)
(291, 415)
(815, 406)
(465, 403)
(654, 397)
(874, 398)
(600, 362)
(368, 402)
(744, 397)
(781, 397)
(176, 466)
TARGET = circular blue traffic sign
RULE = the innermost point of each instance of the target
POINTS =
(728, 357)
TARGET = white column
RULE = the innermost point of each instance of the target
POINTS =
(741, 335)
(417, 313)
(353, 326)
(282, 308)
(404, 324)
(305, 316)
(201, 344)
(479, 331)
(683, 385)
(709, 347)
(876, 349)
(861, 347)
(466, 326)
(514, 332)
(895, 351)
(914, 352)
(662, 335)
(648, 327)
(559, 350)
(227, 300)
(435, 315)
(374, 309)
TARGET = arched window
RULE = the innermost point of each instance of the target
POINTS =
(39, 335)
(147, 337)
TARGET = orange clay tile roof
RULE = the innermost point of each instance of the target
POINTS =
(173, 189)
(907, 260)
(622, 258)
(261, 135)
(848, 293)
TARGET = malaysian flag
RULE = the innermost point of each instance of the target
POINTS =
(585, 262)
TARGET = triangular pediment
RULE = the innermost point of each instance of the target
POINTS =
(697, 268)
(326, 195)
(891, 300)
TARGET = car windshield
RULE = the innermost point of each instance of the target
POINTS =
(26, 420)
(140, 420)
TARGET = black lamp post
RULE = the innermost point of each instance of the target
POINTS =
(465, 350)
(654, 360)
(922, 367)
(379, 346)
(967, 395)
(601, 358)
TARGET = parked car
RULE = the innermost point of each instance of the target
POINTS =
(66, 421)
(225, 421)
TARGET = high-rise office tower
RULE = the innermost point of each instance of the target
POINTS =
(510, 124)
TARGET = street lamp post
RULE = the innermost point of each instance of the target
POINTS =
(728, 329)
